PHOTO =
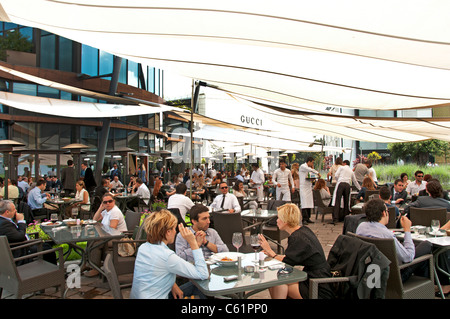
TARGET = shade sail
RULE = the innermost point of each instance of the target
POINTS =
(75, 109)
(384, 55)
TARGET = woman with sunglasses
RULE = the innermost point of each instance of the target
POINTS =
(110, 216)
(303, 249)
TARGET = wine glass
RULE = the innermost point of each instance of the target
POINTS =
(435, 225)
(75, 212)
(54, 218)
(237, 240)
(254, 242)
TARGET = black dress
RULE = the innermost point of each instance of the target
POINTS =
(304, 249)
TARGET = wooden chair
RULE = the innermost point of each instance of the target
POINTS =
(32, 276)
(424, 216)
(320, 206)
(415, 287)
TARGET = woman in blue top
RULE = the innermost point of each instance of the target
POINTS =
(157, 265)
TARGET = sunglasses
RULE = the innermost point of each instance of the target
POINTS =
(419, 175)
(108, 201)
(285, 270)
(224, 187)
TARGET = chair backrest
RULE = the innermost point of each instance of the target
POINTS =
(8, 270)
(111, 276)
(370, 193)
(351, 223)
(177, 214)
(241, 202)
(132, 219)
(226, 224)
(392, 222)
(394, 289)
(274, 204)
(318, 202)
(424, 216)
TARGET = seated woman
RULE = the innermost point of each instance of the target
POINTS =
(111, 217)
(303, 249)
(131, 184)
(367, 184)
(82, 195)
(157, 265)
(199, 189)
(404, 178)
(324, 191)
(239, 191)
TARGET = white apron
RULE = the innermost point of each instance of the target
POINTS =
(306, 193)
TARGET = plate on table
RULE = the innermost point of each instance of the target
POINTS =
(227, 258)
(89, 222)
(439, 233)
(52, 224)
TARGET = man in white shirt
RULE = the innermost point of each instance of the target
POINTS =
(306, 194)
(344, 176)
(226, 201)
(142, 191)
(180, 200)
(116, 183)
(419, 184)
(258, 180)
(281, 178)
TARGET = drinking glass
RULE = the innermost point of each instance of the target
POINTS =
(238, 240)
(435, 225)
(75, 212)
(254, 242)
(54, 218)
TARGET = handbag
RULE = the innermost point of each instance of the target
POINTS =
(126, 249)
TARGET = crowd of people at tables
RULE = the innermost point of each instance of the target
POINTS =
(157, 266)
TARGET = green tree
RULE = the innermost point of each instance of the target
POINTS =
(419, 151)
(14, 41)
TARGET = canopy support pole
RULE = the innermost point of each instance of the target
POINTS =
(104, 134)
(194, 102)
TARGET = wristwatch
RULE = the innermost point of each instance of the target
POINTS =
(206, 244)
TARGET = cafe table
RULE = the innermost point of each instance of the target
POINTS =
(245, 283)
(259, 217)
(91, 232)
(441, 245)
(62, 203)
(124, 199)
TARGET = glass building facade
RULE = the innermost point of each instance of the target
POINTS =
(44, 136)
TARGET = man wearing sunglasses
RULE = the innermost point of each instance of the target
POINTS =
(110, 216)
(226, 201)
(419, 184)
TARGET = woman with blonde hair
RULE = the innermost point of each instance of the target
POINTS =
(303, 249)
(157, 265)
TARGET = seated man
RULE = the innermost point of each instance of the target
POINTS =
(398, 192)
(385, 196)
(226, 201)
(36, 198)
(116, 183)
(207, 238)
(14, 227)
(375, 227)
(143, 195)
(180, 200)
(435, 200)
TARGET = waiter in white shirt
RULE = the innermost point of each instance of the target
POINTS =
(258, 180)
(344, 176)
(281, 178)
(226, 201)
(306, 194)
